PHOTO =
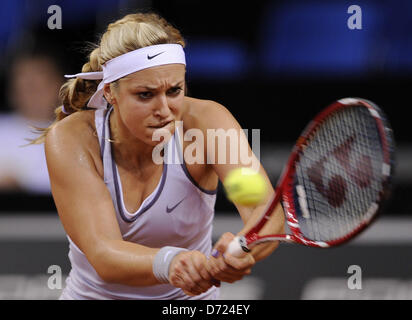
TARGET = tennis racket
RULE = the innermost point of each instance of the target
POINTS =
(335, 181)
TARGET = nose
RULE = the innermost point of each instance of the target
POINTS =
(162, 109)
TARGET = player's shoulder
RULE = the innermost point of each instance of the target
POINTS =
(74, 132)
(199, 113)
(202, 106)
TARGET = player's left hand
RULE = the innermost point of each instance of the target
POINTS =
(224, 266)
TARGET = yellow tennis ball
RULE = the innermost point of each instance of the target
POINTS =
(245, 186)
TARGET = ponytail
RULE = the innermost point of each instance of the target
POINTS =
(74, 94)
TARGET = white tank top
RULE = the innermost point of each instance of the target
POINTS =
(178, 213)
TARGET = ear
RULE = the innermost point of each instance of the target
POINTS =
(109, 94)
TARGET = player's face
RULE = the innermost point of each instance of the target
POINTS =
(151, 99)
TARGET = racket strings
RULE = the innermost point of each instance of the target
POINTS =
(363, 150)
(340, 171)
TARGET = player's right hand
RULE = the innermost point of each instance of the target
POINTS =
(188, 272)
(228, 268)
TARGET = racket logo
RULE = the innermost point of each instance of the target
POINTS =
(335, 191)
(363, 173)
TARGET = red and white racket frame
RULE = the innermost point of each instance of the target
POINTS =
(284, 188)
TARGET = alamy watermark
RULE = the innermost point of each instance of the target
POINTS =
(55, 20)
(54, 282)
(217, 146)
(355, 20)
(355, 280)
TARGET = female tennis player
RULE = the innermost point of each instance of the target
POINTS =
(138, 229)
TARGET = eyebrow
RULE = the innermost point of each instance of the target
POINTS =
(155, 88)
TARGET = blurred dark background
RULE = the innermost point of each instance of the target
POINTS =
(273, 64)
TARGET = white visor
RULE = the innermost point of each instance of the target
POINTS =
(128, 63)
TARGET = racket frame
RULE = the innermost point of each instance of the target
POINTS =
(284, 189)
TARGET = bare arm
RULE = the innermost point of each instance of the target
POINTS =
(87, 213)
(218, 117)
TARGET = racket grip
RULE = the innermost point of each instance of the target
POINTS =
(238, 247)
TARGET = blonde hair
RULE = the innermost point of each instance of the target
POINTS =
(132, 32)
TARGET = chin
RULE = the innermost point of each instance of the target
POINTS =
(162, 135)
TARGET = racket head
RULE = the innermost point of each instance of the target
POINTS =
(339, 174)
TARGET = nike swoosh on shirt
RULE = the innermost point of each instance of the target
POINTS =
(168, 210)
(151, 57)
